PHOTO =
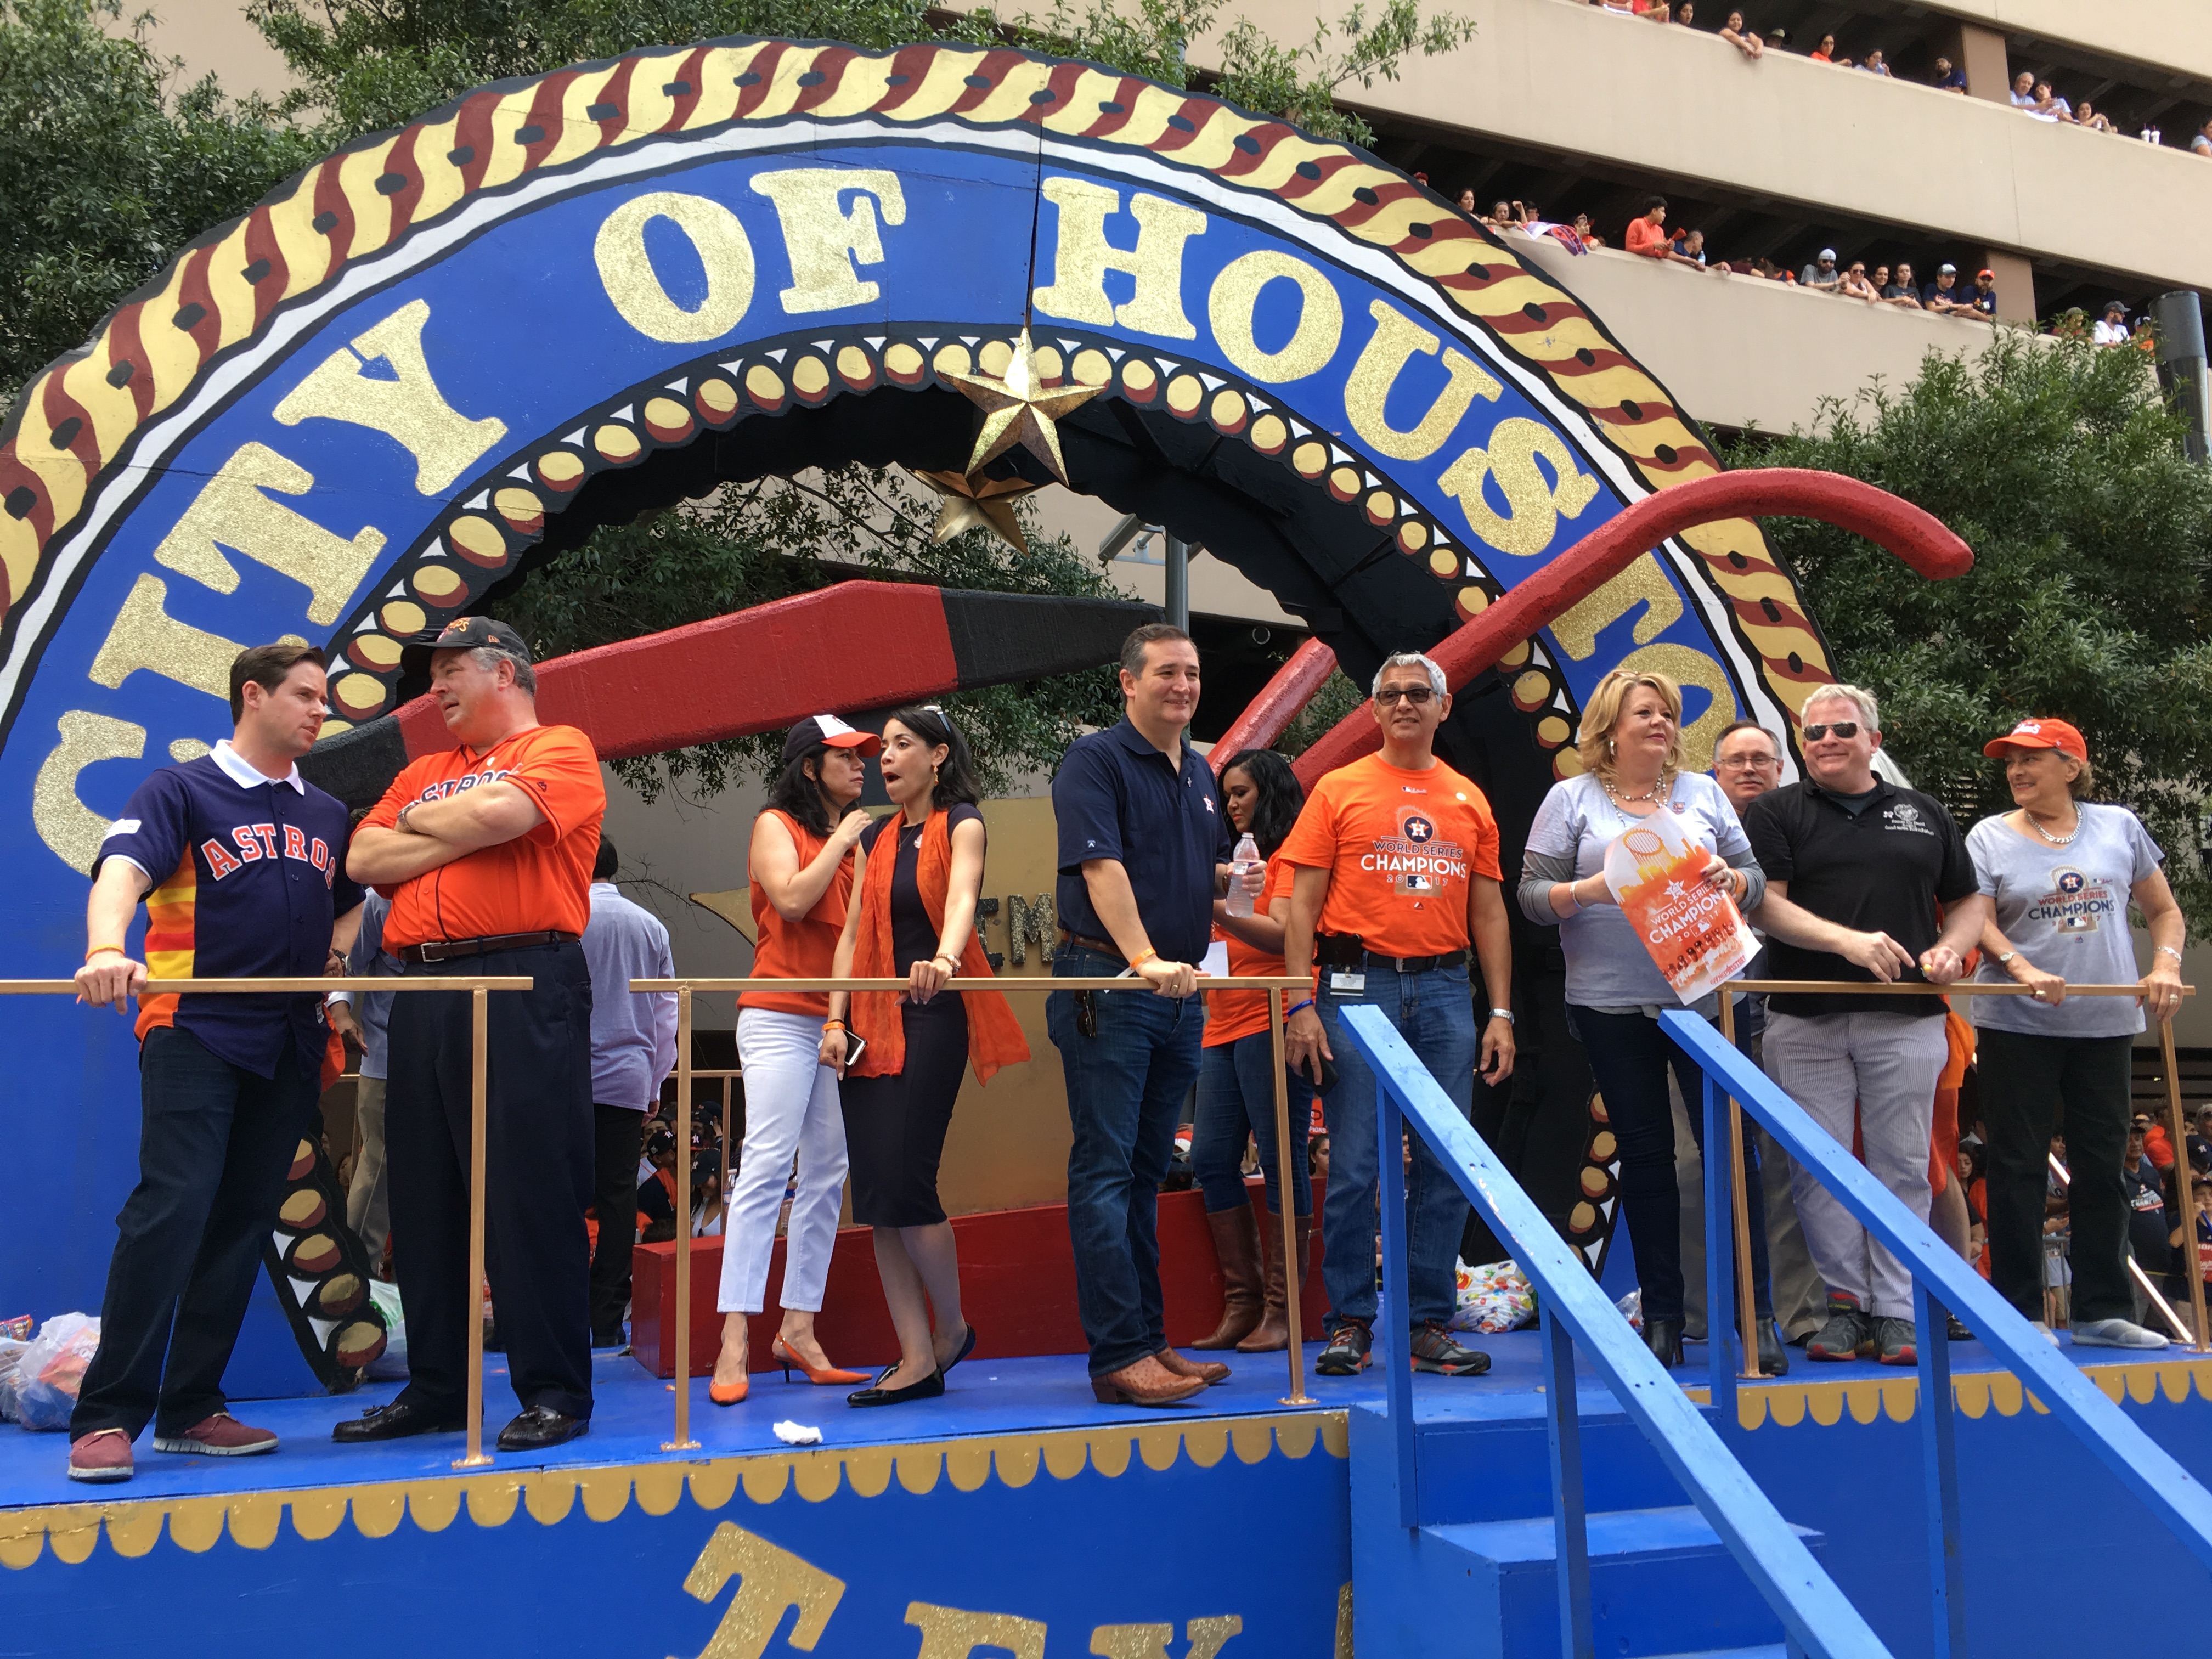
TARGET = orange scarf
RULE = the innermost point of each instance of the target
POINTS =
(994, 1038)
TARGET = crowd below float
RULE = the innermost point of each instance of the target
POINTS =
(2007, 1124)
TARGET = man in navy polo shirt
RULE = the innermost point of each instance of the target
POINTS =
(242, 863)
(1144, 851)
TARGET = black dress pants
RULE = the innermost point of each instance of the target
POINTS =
(537, 1145)
(618, 1141)
(215, 1145)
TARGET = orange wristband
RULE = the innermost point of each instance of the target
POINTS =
(1146, 955)
(97, 949)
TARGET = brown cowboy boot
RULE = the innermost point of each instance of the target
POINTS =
(1236, 1245)
(1273, 1334)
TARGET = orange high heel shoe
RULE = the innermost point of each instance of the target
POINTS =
(731, 1395)
(820, 1379)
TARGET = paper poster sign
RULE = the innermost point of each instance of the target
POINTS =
(1692, 929)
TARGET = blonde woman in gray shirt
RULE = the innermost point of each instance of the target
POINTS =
(2061, 872)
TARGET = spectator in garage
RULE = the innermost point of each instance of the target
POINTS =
(1944, 296)
(2061, 872)
(1740, 38)
(1981, 299)
(1949, 79)
(1588, 232)
(1901, 293)
(2113, 328)
(1687, 13)
(2202, 143)
(1821, 275)
(1778, 38)
(1466, 203)
(2086, 114)
(2023, 89)
(2049, 105)
(1825, 51)
(1690, 248)
(1647, 233)
(1874, 63)
(1855, 285)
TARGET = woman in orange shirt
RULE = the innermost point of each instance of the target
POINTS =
(1236, 1080)
(800, 868)
(919, 872)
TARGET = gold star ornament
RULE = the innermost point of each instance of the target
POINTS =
(977, 503)
(1017, 411)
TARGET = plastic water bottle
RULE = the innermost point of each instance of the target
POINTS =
(1246, 857)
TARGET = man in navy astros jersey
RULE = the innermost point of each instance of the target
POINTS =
(242, 863)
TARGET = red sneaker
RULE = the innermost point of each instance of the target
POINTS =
(103, 1455)
(220, 1435)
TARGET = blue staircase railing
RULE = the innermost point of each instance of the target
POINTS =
(1818, 1619)
(1941, 1283)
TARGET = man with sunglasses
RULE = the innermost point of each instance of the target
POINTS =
(1397, 875)
(1856, 850)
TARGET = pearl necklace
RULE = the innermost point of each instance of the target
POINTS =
(2066, 840)
(1650, 796)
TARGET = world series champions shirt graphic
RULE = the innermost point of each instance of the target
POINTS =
(2077, 902)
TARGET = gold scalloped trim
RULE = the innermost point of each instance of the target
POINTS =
(548, 1497)
(1789, 1404)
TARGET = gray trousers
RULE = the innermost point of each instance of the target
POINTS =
(1880, 1068)
(368, 1200)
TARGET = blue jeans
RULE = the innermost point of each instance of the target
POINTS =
(1125, 1092)
(1236, 1097)
(1435, 1013)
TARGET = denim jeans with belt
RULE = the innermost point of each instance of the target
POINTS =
(1125, 1093)
(1434, 1012)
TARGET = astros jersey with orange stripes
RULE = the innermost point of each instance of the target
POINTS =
(248, 875)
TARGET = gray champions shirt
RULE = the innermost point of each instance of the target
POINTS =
(1608, 967)
(2065, 908)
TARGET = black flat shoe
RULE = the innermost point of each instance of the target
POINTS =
(1773, 1358)
(539, 1428)
(396, 1422)
(1664, 1338)
(929, 1388)
(967, 1347)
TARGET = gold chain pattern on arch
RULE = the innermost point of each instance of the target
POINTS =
(74, 418)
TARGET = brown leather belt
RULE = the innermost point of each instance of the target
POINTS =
(1099, 944)
(450, 949)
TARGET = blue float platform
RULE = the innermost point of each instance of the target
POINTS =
(1014, 1515)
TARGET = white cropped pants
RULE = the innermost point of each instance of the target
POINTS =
(791, 1106)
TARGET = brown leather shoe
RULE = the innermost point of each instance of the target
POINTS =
(1272, 1333)
(1209, 1371)
(1145, 1383)
(1237, 1246)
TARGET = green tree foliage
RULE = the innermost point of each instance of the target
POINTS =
(2062, 468)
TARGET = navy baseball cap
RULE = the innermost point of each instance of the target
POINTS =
(463, 633)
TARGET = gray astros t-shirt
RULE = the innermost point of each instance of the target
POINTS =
(2065, 908)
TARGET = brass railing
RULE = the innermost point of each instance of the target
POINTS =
(479, 988)
(1745, 1289)
(1016, 984)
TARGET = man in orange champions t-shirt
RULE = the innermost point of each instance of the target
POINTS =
(1397, 875)
(485, 852)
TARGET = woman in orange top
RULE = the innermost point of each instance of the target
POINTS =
(1236, 1079)
(801, 874)
(916, 919)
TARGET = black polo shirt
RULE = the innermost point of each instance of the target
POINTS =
(1117, 797)
(1882, 869)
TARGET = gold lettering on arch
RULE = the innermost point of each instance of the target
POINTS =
(1082, 256)
(772, 1582)
(64, 822)
(1237, 292)
(1643, 583)
(1535, 504)
(954, 1634)
(232, 511)
(824, 242)
(1393, 344)
(725, 252)
(1688, 667)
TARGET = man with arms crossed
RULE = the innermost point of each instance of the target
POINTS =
(239, 861)
(1144, 851)
(485, 852)
(1396, 858)
(1853, 849)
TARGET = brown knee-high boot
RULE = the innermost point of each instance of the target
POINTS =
(1237, 1244)
(1274, 1331)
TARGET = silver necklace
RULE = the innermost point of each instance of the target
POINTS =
(1649, 796)
(2066, 840)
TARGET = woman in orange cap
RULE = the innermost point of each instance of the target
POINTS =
(2061, 872)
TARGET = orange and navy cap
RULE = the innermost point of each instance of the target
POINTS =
(828, 729)
(2039, 734)
(462, 634)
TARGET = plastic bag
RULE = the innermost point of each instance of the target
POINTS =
(1632, 1308)
(392, 1363)
(49, 1371)
(1493, 1297)
(11, 1350)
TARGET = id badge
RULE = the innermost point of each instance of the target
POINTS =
(1353, 983)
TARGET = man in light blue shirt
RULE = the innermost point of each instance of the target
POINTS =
(368, 1198)
(633, 1052)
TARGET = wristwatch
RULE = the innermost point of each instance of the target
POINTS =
(2003, 959)
(400, 822)
(1505, 1014)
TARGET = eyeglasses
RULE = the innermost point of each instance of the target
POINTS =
(1415, 694)
(1745, 763)
(1841, 728)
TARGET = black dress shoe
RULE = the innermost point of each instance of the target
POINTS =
(611, 1339)
(1773, 1357)
(1664, 1338)
(396, 1422)
(929, 1388)
(967, 1347)
(539, 1428)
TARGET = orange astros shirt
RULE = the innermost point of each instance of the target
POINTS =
(538, 882)
(1400, 848)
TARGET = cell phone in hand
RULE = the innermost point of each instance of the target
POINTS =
(856, 1045)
